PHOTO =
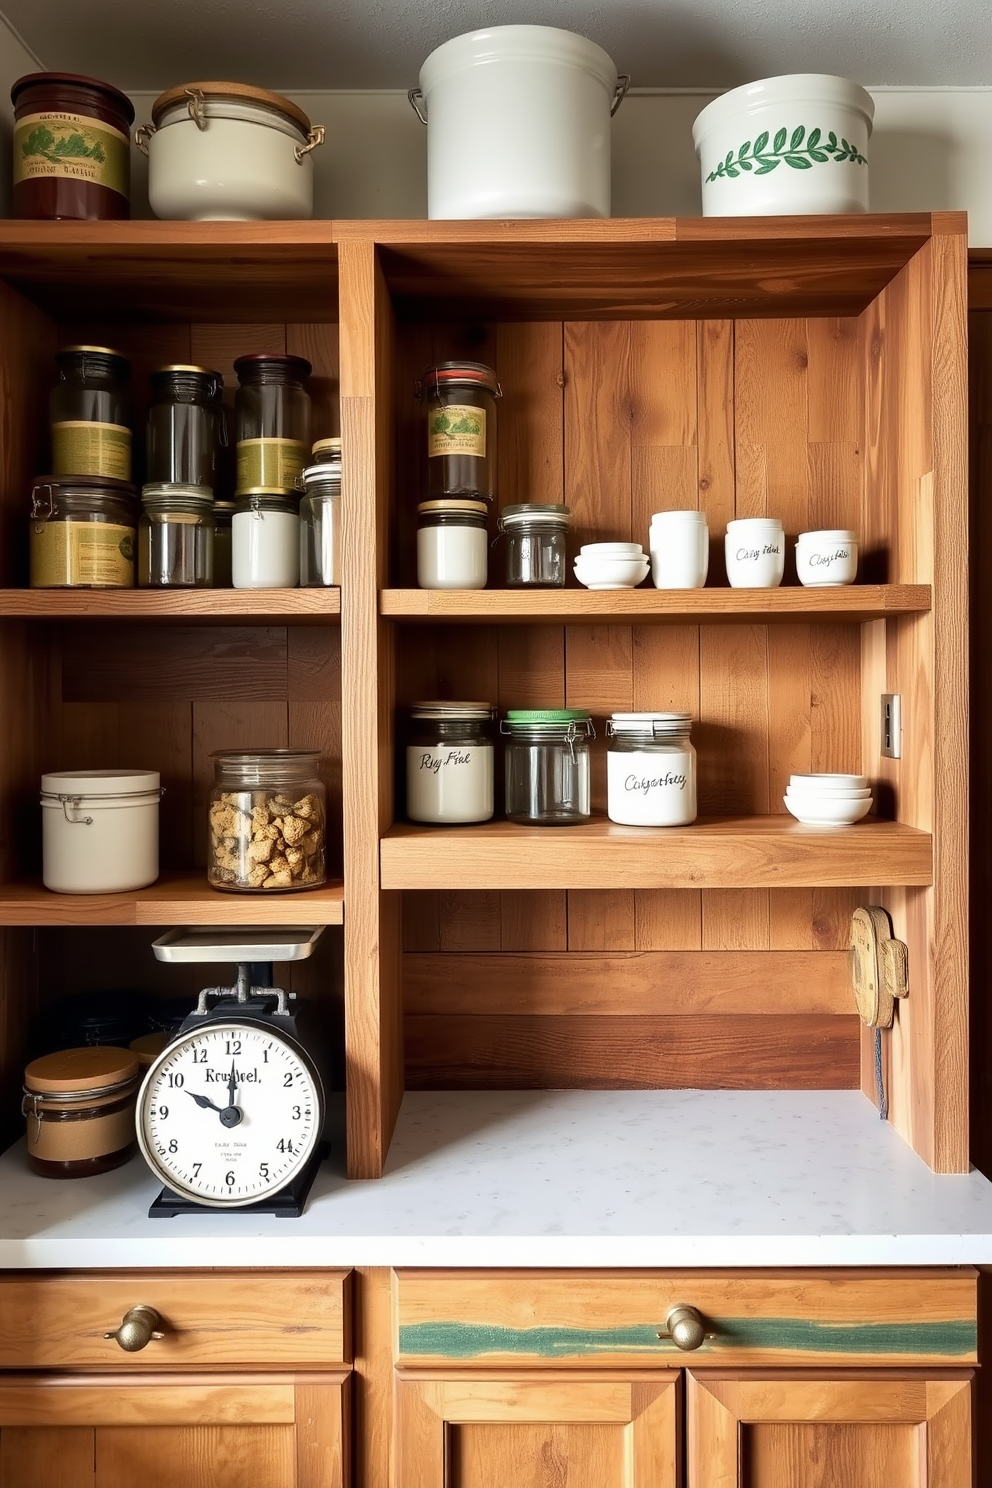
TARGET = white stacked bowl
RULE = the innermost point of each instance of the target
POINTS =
(822, 800)
(612, 565)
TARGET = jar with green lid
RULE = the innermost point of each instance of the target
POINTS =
(90, 413)
(536, 544)
(184, 426)
(176, 537)
(79, 1105)
(272, 418)
(83, 533)
(223, 518)
(547, 766)
(459, 401)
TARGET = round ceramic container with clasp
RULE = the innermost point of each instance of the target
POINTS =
(650, 770)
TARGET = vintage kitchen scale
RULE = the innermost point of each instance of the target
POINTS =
(231, 1114)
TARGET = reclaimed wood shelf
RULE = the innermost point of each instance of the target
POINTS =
(176, 899)
(201, 606)
(853, 602)
(755, 852)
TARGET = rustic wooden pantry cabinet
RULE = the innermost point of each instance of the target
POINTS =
(813, 369)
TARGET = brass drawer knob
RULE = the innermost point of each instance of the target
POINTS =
(685, 1328)
(139, 1326)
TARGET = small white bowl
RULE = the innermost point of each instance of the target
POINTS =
(613, 573)
(827, 813)
(830, 782)
(612, 550)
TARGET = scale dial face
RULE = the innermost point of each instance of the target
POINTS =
(229, 1113)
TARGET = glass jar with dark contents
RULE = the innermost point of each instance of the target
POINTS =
(79, 1106)
(83, 533)
(272, 414)
(184, 427)
(72, 148)
(459, 399)
(90, 413)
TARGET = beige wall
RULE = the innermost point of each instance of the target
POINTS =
(15, 61)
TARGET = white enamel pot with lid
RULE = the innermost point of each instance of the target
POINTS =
(518, 124)
(790, 145)
(99, 831)
(228, 152)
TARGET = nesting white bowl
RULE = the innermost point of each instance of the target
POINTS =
(827, 811)
(594, 572)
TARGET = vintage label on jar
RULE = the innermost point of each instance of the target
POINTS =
(653, 789)
(457, 429)
(72, 147)
(270, 465)
(69, 554)
(80, 447)
(449, 782)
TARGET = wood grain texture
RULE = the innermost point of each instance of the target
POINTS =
(29, 1456)
(176, 606)
(855, 602)
(176, 899)
(980, 426)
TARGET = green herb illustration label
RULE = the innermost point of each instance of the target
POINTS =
(72, 147)
(799, 150)
(457, 429)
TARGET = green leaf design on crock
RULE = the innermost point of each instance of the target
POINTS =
(800, 151)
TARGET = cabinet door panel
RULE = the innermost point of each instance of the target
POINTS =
(57, 1459)
(218, 1456)
(817, 1431)
(503, 1431)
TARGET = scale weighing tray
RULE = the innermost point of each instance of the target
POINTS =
(239, 944)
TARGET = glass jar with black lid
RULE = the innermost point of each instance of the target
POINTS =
(184, 426)
(90, 413)
(459, 400)
(272, 417)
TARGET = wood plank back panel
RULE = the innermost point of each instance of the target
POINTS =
(980, 424)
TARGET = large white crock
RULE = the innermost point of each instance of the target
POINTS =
(518, 124)
(218, 158)
(785, 146)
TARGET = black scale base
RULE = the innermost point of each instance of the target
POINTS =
(288, 1203)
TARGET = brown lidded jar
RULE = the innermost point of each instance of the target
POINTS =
(79, 1105)
(72, 148)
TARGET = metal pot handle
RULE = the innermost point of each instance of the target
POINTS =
(416, 98)
(623, 83)
(142, 135)
(314, 138)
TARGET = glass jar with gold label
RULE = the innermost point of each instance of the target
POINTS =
(83, 532)
(272, 418)
(90, 410)
(459, 399)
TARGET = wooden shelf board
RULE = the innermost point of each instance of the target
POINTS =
(175, 271)
(176, 899)
(676, 607)
(203, 606)
(713, 853)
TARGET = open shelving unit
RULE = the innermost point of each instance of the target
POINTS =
(809, 368)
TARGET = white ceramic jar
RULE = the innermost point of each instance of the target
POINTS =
(785, 145)
(680, 549)
(452, 544)
(650, 770)
(827, 558)
(755, 553)
(518, 124)
(99, 830)
(265, 543)
(449, 763)
(227, 152)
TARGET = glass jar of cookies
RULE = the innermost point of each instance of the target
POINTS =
(267, 821)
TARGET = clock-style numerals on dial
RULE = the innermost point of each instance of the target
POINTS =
(229, 1113)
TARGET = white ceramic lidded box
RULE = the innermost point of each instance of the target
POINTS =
(754, 549)
(228, 152)
(785, 146)
(99, 832)
(680, 549)
(518, 124)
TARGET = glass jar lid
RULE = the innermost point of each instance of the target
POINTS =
(650, 725)
(562, 723)
(272, 365)
(104, 359)
(453, 506)
(166, 494)
(266, 756)
(444, 375)
(93, 1070)
(325, 478)
(272, 501)
(451, 712)
(326, 449)
(51, 494)
(553, 513)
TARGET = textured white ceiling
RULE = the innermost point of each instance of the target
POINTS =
(304, 44)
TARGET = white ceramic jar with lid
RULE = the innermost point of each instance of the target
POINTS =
(650, 770)
(826, 559)
(449, 763)
(228, 152)
(265, 543)
(99, 830)
(754, 549)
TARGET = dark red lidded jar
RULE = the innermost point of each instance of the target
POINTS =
(72, 148)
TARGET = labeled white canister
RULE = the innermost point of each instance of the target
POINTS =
(827, 559)
(449, 763)
(650, 770)
(265, 543)
(754, 548)
(790, 145)
(99, 830)
(535, 102)
(452, 544)
(228, 152)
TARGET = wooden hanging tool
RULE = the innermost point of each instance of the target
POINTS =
(880, 973)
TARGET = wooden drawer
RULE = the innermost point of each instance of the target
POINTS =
(769, 1318)
(258, 1318)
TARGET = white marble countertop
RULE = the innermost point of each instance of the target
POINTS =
(545, 1178)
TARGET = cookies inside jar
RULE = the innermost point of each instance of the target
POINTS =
(267, 822)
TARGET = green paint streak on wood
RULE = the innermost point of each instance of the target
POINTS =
(450, 1340)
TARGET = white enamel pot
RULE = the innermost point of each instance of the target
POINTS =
(785, 146)
(518, 124)
(218, 158)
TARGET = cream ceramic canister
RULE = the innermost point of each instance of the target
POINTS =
(827, 559)
(755, 553)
